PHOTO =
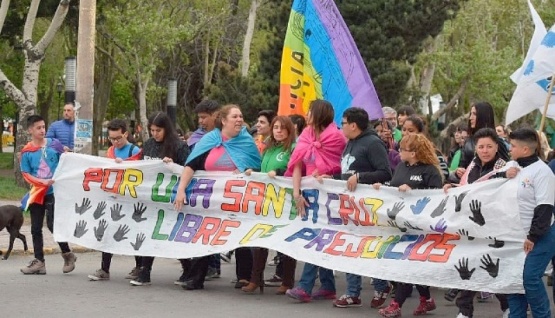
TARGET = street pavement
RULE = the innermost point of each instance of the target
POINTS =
(73, 295)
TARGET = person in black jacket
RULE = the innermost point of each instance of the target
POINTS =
(166, 145)
(481, 116)
(364, 160)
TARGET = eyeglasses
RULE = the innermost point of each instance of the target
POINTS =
(116, 139)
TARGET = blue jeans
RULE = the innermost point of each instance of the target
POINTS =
(354, 285)
(308, 278)
(534, 268)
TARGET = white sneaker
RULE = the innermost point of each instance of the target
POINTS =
(460, 315)
(506, 313)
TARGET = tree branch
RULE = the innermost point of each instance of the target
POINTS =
(445, 133)
(116, 65)
(3, 12)
(55, 25)
(30, 22)
(452, 102)
(11, 90)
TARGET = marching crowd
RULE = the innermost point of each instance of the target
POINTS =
(396, 152)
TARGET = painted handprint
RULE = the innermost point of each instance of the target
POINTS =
(394, 224)
(463, 270)
(121, 232)
(420, 205)
(116, 212)
(476, 209)
(496, 243)
(458, 201)
(99, 231)
(138, 211)
(80, 229)
(85, 206)
(440, 209)
(397, 207)
(463, 232)
(99, 212)
(412, 227)
(440, 226)
(489, 266)
(138, 241)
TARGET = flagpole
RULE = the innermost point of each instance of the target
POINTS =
(547, 100)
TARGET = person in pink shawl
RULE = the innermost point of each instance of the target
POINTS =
(318, 152)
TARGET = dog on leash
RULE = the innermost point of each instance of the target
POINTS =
(11, 218)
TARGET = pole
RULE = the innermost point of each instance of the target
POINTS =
(547, 100)
(70, 67)
(85, 80)
(171, 102)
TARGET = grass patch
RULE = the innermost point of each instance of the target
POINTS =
(6, 160)
(9, 190)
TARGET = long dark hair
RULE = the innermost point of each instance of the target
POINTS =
(171, 139)
(484, 117)
(322, 114)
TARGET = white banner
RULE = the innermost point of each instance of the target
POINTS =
(471, 238)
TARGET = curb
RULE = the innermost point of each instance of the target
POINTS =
(48, 250)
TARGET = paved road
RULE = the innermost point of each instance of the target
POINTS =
(72, 295)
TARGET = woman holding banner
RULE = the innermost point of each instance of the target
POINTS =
(419, 170)
(231, 148)
(485, 165)
(164, 144)
(274, 162)
(318, 152)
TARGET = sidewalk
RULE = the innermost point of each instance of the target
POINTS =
(50, 246)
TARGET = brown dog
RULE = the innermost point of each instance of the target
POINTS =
(11, 218)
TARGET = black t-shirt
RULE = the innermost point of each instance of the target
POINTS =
(418, 176)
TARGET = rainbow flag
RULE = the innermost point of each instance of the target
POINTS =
(321, 61)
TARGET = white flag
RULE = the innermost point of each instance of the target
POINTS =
(539, 33)
(532, 87)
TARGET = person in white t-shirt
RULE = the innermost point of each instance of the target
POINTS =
(536, 197)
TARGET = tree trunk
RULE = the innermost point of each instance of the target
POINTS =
(246, 60)
(141, 93)
(105, 72)
(427, 76)
(3, 12)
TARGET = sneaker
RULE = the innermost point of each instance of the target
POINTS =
(346, 301)
(380, 297)
(274, 261)
(298, 294)
(451, 294)
(133, 274)
(69, 262)
(99, 275)
(484, 297)
(391, 311)
(275, 281)
(424, 306)
(34, 267)
(323, 294)
(226, 257)
(143, 279)
(212, 273)
(181, 280)
(460, 315)
(506, 313)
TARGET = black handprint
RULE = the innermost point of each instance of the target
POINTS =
(99, 210)
(394, 224)
(138, 241)
(121, 232)
(116, 212)
(80, 229)
(476, 209)
(99, 232)
(86, 205)
(463, 232)
(463, 269)
(440, 209)
(138, 212)
(489, 266)
(458, 201)
(397, 207)
(412, 227)
(496, 243)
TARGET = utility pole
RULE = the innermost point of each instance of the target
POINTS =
(85, 77)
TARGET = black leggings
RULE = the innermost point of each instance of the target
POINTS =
(404, 290)
(465, 302)
(38, 211)
(107, 260)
